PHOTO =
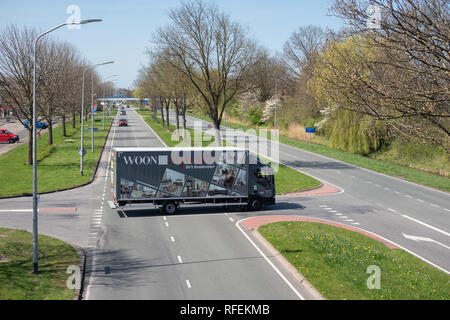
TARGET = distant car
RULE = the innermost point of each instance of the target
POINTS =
(39, 124)
(123, 122)
(8, 136)
(123, 113)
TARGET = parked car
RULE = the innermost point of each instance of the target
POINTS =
(123, 122)
(8, 136)
(39, 124)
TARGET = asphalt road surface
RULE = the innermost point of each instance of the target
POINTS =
(200, 252)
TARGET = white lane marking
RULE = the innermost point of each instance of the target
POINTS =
(179, 259)
(332, 211)
(349, 220)
(387, 189)
(377, 185)
(188, 284)
(343, 217)
(408, 196)
(337, 214)
(353, 177)
(418, 239)
(91, 280)
(111, 204)
(434, 205)
(420, 222)
(167, 224)
(269, 262)
(164, 218)
(323, 206)
(420, 200)
(355, 223)
(172, 239)
(231, 219)
(446, 209)
(397, 192)
(17, 210)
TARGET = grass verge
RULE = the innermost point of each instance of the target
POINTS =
(58, 165)
(16, 264)
(336, 261)
(389, 168)
(286, 179)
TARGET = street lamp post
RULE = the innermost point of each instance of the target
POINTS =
(82, 112)
(35, 196)
(92, 103)
(114, 75)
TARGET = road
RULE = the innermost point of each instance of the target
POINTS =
(200, 252)
(384, 205)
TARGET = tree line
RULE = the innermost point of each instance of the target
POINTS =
(384, 76)
(59, 68)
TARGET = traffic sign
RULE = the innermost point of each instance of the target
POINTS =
(82, 152)
(310, 129)
(90, 129)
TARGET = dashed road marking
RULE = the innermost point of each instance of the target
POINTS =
(188, 284)
(434, 205)
(172, 239)
(179, 259)
(167, 224)
(420, 200)
(231, 219)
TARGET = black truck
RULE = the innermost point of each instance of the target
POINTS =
(169, 177)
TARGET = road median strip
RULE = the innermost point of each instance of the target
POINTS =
(336, 259)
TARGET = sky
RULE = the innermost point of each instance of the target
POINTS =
(128, 25)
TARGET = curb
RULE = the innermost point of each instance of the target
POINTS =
(83, 258)
(91, 179)
(301, 280)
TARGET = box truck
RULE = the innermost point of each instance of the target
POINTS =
(170, 177)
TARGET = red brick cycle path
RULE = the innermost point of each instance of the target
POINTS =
(254, 222)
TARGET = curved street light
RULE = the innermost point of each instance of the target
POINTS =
(35, 197)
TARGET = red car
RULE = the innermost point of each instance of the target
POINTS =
(8, 136)
(123, 122)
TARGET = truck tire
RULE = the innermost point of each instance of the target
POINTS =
(254, 204)
(169, 207)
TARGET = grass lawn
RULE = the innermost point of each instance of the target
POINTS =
(16, 264)
(58, 165)
(386, 167)
(286, 179)
(335, 261)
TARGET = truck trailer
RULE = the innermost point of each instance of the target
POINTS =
(170, 177)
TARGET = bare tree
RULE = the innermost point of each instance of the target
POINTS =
(302, 49)
(16, 74)
(406, 54)
(213, 52)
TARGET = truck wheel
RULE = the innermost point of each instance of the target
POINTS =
(255, 204)
(169, 207)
